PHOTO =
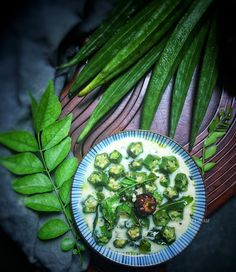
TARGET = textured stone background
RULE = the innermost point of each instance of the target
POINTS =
(28, 55)
(28, 51)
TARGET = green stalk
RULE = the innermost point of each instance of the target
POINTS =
(145, 37)
(208, 77)
(184, 76)
(118, 17)
(170, 59)
(121, 86)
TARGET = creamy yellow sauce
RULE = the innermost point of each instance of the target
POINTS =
(148, 148)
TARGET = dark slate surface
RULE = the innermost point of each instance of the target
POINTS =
(213, 250)
(28, 53)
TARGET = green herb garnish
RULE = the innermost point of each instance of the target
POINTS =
(216, 130)
(45, 170)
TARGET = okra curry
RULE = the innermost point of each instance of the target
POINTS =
(138, 197)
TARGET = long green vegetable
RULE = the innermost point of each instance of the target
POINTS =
(121, 86)
(169, 60)
(145, 37)
(184, 76)
(112, 47)
(117, 18)
(208, 77)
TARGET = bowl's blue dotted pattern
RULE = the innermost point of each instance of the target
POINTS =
(169, 251)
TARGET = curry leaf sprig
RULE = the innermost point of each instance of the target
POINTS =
(216, 130)
(44, 168)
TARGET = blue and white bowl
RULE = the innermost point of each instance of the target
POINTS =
(167, 252)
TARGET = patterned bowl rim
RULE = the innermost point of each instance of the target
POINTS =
(166, 253)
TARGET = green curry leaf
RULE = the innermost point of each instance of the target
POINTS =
(210, 151)
(213, 137)
(67, 244)
(65, 171)
(127, 182)
(22, 164)
(198, 161)
(47, 202)
(65, 191)
(48, 109)
(214, 124)
(55, 155)
(109, 206)
(57, 131)
(124, 209)
(53, 228)
(177, 204)
(32, 184)
(208, 166)
(20, 141)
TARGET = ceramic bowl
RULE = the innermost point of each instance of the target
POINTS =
(167, 252)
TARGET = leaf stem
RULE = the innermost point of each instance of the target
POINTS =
(57, 193)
